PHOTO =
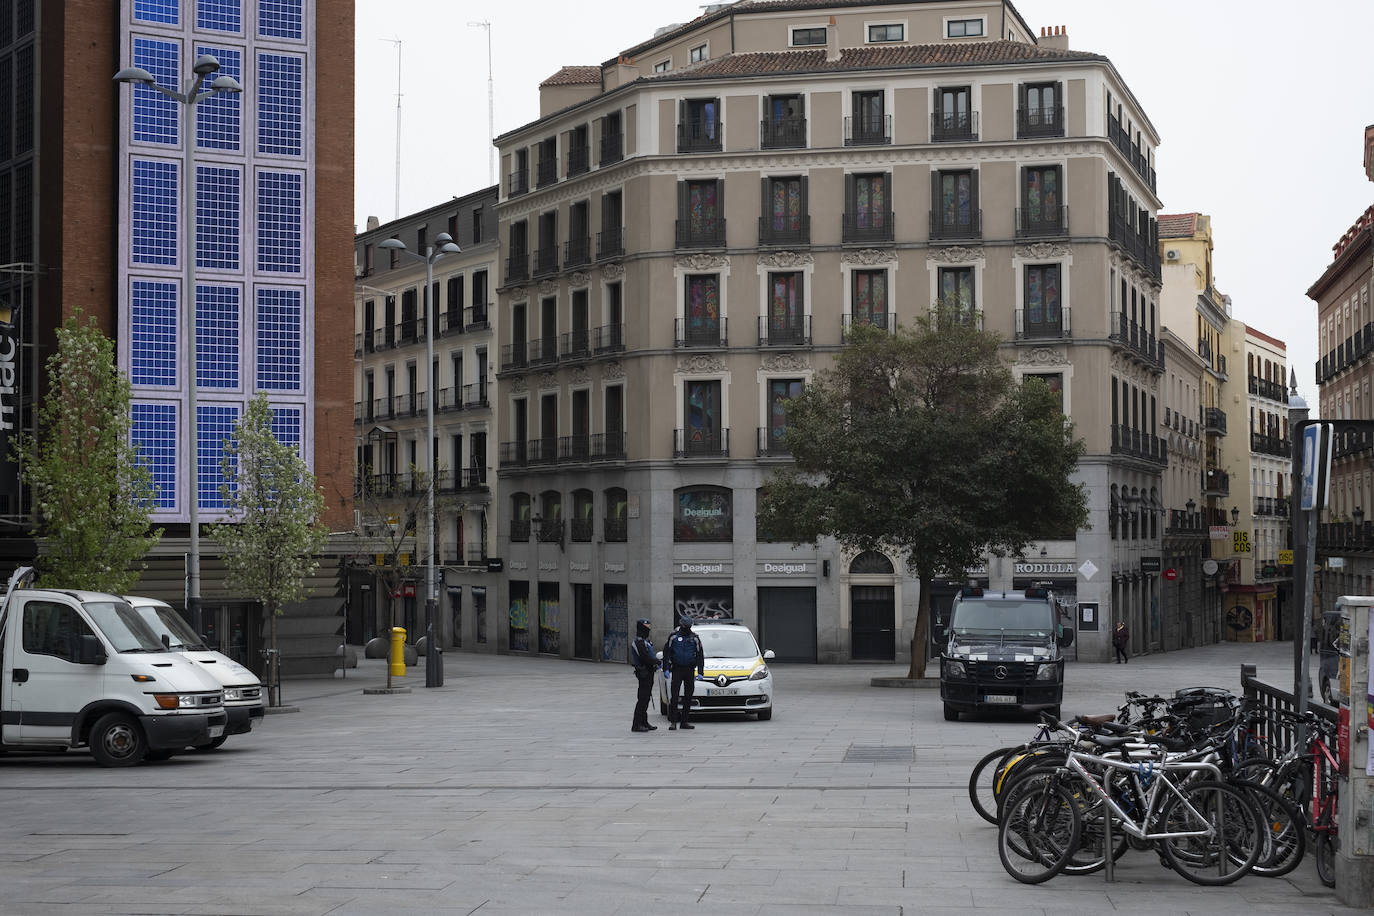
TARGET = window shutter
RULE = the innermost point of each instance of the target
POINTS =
(935, 208)
(973, 193)
(682, 202)
(719, 215)
(805, 201)
(682, 127)
(766, 203)
(1021, 92)
(850, 183)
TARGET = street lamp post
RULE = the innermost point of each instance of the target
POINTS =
(446, 245)
(204, 66)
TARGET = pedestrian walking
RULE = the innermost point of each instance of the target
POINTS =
(645, 664)
(1121, 638)
(684, 658)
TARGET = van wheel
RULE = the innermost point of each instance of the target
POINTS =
(951, 714)
(211, 744)
(117, 741)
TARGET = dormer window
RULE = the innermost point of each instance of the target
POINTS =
(808, 36)
(877, 33)
(697, 54)
(663, 66)
(964, 28)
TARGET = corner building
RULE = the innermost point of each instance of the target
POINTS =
(692, 228)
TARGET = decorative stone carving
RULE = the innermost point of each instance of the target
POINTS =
(548, 287)
(869, 256)
(579, 375)
(954, 254)
(548, 380)
(517, 293)
(519, 385)
(612, 271)
(1042, 251)
(613, 370)
(784, 362)
(1042, 356)
(701, 363)
(702, 261)
(579, 278)
(785, 258)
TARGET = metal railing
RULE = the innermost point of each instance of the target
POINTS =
(706, 334)
(700, 136)
(545, 260)
(610, 243)
(579, 160)
(775, 332)
(955, 125)
(1214, 418)
(577, 251)
(867, 131)
(1043, 329)
(702, 232)
(1042, 222)
(701, 443)
(612, 148)
(518, 183)
(517, 266)
(782, 133)
(1136, 337)
(771, 446)
(1216, 482)
(773, 236)
(882, 320)
(1040, 122)
(546, 173)
(867, 228)
(575, 344)
(1268, 697)
(1139, 444)
(971, 228)
(514, 356)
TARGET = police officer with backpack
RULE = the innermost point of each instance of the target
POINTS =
(684, 657)
(645, 664)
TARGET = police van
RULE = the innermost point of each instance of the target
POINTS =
(1003, 651)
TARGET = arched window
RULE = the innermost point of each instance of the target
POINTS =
(703, 514)
(870, 562)
(520, 517)
(582, 522)
(616, 510)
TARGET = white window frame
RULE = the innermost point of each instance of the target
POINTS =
(806, 270)
(680, 281)
(793, 29)
(705, 51)
(847, 269)
(663, 66)
(950, 20)
(868, 26)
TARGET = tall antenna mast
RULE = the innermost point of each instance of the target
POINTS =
(397, 43)
(491, 104)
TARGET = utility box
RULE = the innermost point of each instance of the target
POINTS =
(1355, 852)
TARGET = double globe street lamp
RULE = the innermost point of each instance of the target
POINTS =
(204, 66)
(444, 244)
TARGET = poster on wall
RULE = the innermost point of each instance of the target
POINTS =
(615, 617)
(519, 620)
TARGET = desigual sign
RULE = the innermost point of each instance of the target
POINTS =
(785, 569)
(701, 569)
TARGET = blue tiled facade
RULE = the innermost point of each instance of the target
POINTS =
(253, 236)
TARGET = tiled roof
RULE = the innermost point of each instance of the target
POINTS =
(883, 57)
(573, 76)
(1177, 225)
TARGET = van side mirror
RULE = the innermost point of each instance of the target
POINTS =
(1066, 638)
(89, 651)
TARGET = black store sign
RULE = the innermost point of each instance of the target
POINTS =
(1149, 564)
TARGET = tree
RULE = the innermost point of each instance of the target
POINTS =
(920, 441)
(92, 495)
(273, 533)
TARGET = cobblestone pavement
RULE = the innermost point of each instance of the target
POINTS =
(518, 788)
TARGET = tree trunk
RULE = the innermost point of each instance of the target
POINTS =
(919, 637)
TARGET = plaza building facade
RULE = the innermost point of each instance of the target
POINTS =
(689, 231)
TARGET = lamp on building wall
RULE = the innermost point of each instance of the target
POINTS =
(1358, 515)
(204, 66)
(1235, 516)
(445, 245)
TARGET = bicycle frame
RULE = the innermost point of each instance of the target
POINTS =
(1323, 801)
(1152, 796)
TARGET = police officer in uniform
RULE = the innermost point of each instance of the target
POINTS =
(684, 657)
(642, 657)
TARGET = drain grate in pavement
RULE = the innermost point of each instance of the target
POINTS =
(862, 754)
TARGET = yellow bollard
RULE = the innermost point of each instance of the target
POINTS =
(398, 651)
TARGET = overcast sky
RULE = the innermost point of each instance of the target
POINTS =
(1260, 106)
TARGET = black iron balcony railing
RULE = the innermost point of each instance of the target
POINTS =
(782, 332)
(1216, 482)
(546, 172)
(580, 530)
(782, 133)
(1182, 522)
(511, 454)
(868, 131)
(545, 260)
(1037, 326)
(1346, 536)
(575, 448)
(881, 320)
(1139, 444)
(381, 409)
(612, 148)
(959, 125)
(517, 266)
(608, 446)
(519, 182)
(577, 251)
(475, 477)
(550, 531)
(1214, 420)
(451, 321)
(1272, 506)
(873, 227)
(795, 235)
(691, 333)
(1346, 354)
(699, 136)
(1270, 445)
(610, 243)
(701, 443)
(575, 344)
(772, 445)
(543, 450)
(579, 160)
(449, 399)
(614, 530)
(1351, 442)
(608, 338)
(1264, 388)
(474, 396)
(703, 232)
(543, 350)
(1041, 222)
(475, 318)
(1040, 122)
(362, 411)
(514, 356)
(969, 226)
(520, 529)
(358, 344)
(1136, 337)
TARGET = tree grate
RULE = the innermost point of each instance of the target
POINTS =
(861, 754)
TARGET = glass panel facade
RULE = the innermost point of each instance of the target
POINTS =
(154, 431)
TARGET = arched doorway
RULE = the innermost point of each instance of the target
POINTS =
(872, 610)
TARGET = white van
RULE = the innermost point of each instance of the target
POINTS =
(81, 669)
(242, 690)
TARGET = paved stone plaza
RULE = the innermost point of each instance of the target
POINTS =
(518, 788)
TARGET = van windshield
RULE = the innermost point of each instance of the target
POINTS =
(1027, 616)
(165, 621)
(123, 627)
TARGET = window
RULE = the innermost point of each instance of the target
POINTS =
(808, 36)
(701, 417)
(955, 196)
(780, 391)
(280, 97)
(547, 169)
(954, 118)
(703, 514)
(217, 217)
(784, 122)
(53, 629)
(153, 428)
(786, 308)
(886, 32)
(698, 125)
(611, 138)
(1041, 213)
(617, 510)
(697, 54)
(868, 124)
(869, 302)
(280, 219)
(701, 217)
(1043, 316)
(663, 66)
(786, 219)
(956, 300)
(1041, 112)
(217, 117)
(702, 304)
(963, 28)
(868, 213)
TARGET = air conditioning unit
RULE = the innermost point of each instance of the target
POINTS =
(1171, 254)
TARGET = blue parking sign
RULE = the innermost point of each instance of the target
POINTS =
(1316, 466)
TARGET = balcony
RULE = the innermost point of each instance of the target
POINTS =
(450, 322)
(579, 160)
(882, 320)
(547, 172)
(614, 530)
(1216, 482)
(475, 396)
(608, 446)
(701, 443)
(381, 409)
(703, 232)
(1135, 443)
(691, 333)
(574, 448)
(512, 454)
(1044, 328)
(520, 530)
(475, 318)
(546, 260)
(1347, 441)
(1185, 524)
(518, 183)
(549, 530)
(543, 450)
(1136, 234)
(1214, 420)
(868, 228)
(953, 127)
(773, 236)
(1122, 141)
(517, 267)
(775, 332)
(609, 338)
(514, 356)
(543, 351)
(868, 131)
(575, 344)
(612, 148)
(782, 133)
(1135, 337)
(771, 444)
(1039, 122)
(1264, 388)
(699, 136)
(475, 478)
(581, 530)
(1345, 536)
(1346, 354)
(970, 227)
(1271, 506)
(1270, 445)
(1042, 222)
(610, 243)
(577, 252)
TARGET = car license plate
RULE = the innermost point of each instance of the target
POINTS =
(216, 731)
(722, 691)
(998, 698)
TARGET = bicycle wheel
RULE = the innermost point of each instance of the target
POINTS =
(1324, 849)
(1039, 830)
(1017, 766)
(1089, 855)
(1283, 827)
(980, 784)
(1224, 837)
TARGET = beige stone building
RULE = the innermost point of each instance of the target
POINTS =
(689, 230)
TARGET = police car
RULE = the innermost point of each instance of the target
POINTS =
(737, 678)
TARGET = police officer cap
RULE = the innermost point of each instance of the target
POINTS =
(686, 622)
(643, 621)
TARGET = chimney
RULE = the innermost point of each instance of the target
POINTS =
(372, 223)
(1369, 152)
(1054, 37)
(832, 42)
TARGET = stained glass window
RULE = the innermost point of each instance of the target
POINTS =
(870, 201)
(870, 297)
(703, 308)
(1042, 297)
(780, 391)
(701, 415)
(785, 210)
(1042, 194)
(956, 290)
(956, 198)
(703, 206)
(785, 305)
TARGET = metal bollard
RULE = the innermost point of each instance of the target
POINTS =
(434, 660)
(398, 651)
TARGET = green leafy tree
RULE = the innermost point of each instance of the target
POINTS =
(921, 442)
(273, 535)
(92, 496)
